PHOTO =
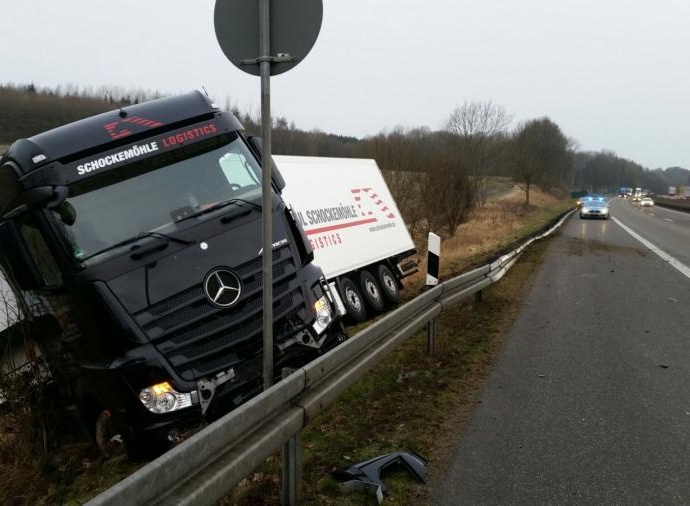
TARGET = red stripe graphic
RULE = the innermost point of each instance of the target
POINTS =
(371, 193)
(124, 131)
(341, 226)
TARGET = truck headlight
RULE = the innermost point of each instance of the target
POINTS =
(163, 398)
(324, 315)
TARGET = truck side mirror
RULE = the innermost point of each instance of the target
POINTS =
(257, 146)
(32, 198)
(21, 264)
(67, 213)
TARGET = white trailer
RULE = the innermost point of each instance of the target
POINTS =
(359, 238)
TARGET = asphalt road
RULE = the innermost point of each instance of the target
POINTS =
(589, 402)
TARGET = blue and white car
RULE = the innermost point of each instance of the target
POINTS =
(595, 209)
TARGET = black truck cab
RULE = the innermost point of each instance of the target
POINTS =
(136, 234)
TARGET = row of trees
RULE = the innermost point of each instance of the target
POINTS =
(437, 176)
(604, 171)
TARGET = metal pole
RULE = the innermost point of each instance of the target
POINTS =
(431, 337)
(267, 213)
(292, 471)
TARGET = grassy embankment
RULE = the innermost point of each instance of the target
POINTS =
(409, 402)
(412, 402)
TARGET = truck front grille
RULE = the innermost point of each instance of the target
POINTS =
(199, 339)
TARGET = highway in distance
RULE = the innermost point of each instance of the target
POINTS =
(589, 402)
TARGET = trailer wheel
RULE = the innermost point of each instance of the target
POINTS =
(352, 299)
(388, 283)
(371, 291)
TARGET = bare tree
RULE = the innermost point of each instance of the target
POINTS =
(539, 154)
(447, 193)
(405, 186)
(478, 129)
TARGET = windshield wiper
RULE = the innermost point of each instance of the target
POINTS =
(220, 205)
(134, 239)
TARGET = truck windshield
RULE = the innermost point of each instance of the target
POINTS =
(157, 195)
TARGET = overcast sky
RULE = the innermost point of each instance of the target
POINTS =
(613, 74)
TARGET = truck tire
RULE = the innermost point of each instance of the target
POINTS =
(388, 284)
(104, 431)
(371, 291)
(352, 299)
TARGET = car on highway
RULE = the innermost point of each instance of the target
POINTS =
(646, 202)
(595, 209)
(589, 198)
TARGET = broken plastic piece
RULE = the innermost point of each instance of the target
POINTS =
(369, 472)
(362, 486)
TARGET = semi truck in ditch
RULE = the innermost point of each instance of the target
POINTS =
(132, 245)
(358, 235)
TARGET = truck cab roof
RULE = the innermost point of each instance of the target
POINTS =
(109, 129)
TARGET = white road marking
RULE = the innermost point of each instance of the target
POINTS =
(684, 269)
(668, 219)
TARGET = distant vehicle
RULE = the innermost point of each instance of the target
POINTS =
(646, 202)
(637, 194)
(595, 209)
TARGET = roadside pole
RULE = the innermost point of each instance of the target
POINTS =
(432, 276)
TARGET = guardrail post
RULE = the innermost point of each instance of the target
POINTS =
(478, 297)
(431, 337)
(292, 471)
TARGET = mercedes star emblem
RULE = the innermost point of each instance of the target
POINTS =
(222, 287)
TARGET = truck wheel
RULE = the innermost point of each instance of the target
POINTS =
(371, 291)
(104, 432)
(352, 299)
(388, 284)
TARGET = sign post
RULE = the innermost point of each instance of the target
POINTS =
(265, 38)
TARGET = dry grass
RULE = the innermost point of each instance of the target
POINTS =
(490, 228)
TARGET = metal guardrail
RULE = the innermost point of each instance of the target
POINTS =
(674, 203)
(204, 468)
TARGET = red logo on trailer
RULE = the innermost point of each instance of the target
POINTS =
(369, 192)
(121, 128)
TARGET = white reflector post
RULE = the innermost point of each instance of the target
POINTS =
(433, 258)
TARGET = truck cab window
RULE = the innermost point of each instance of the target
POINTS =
(238, 171)
(42, 256)
(152, 196)
(9, 309)
(9, 188)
